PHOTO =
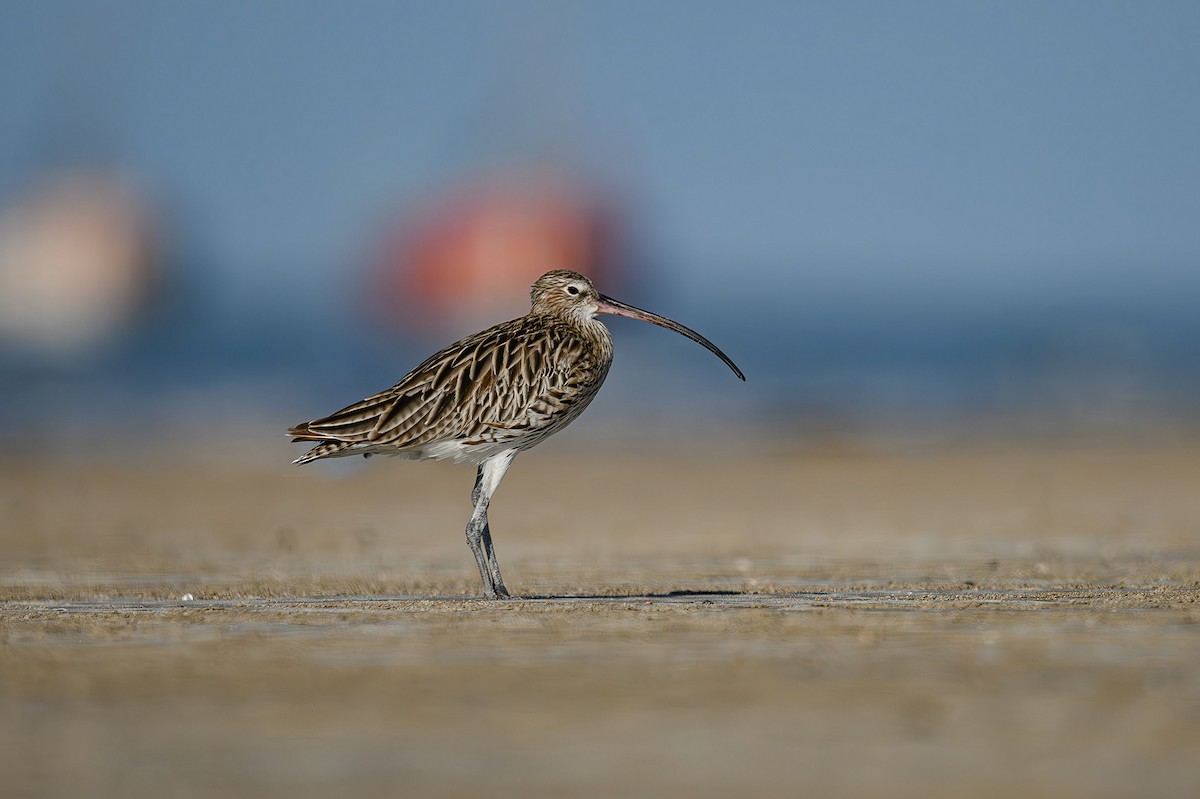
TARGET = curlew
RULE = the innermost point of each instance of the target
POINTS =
(494, 394)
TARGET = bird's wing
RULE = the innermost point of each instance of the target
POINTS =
(493, 386)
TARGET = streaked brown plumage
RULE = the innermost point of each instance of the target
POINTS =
(485, 398)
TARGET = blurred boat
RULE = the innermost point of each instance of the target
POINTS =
(77, 264)
(467, 258)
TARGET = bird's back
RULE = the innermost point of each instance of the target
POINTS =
(507, 387)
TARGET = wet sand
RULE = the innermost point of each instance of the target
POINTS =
(993, 619)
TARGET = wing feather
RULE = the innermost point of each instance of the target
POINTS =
(503, 384)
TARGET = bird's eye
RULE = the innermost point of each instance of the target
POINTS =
(572, 290)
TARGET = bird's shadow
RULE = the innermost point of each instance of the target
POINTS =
(681, 594)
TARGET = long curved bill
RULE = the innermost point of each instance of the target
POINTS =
(610, 306)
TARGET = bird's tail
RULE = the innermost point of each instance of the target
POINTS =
(325, 448)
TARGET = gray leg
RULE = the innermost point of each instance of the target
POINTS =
(490, 552)
(475, 529)
(479, 536)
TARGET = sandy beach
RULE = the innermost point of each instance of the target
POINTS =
(994, 618)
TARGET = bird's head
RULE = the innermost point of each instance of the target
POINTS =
(570, 295)
(564, 293)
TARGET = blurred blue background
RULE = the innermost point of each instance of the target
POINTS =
(226, 217)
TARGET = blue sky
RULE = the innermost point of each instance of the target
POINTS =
(961, 152)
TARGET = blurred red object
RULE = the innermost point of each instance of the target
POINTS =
(465, 260)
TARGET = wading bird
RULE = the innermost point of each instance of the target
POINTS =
(486, 398)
